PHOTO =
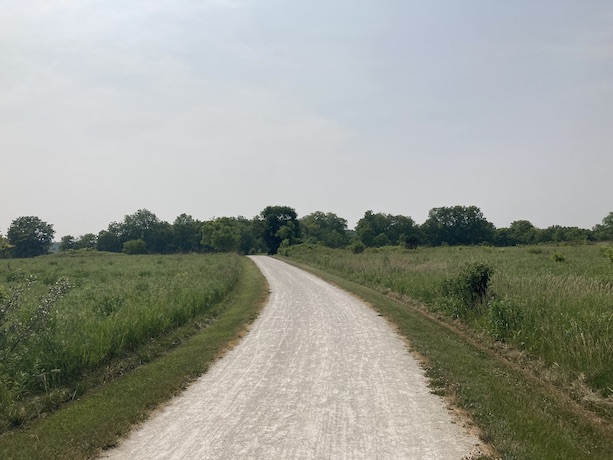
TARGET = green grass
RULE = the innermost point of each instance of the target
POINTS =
(552, 310)
(115, 306)
(521, 413)
(85, 427)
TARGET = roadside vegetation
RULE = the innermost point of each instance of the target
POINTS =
(99, 418)
(65, 317)
(531, 329)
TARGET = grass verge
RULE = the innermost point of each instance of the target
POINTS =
(96, 422)
(521, 417)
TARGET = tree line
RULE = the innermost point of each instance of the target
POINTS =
(276, 227)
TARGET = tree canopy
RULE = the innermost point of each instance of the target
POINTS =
(379, 229)
(457, 225)
(327, 229)
(279, 223)
(30, 236)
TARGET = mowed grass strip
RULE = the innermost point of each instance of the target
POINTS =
(517, 415)
(98, 420)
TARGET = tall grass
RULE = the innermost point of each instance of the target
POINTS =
(109, 305)
(553, 303)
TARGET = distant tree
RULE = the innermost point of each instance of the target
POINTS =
(326, 229)
(87, 241)
(5, 247)
(457, 225)
(523, 232)
(222, 234)
(30, 236)
(604, 230)
(279, 223)
(109, 240)
(67, 242)
(186, 231)
(502, 237)
(140, 225)
(145, 225)
(132, 247)
(162, 239)
(378, 229)
(560, 234)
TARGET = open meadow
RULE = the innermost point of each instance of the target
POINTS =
(65, 317)
(553, 304)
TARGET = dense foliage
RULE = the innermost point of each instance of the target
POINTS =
(30, 236)
(65, 315)
(280, 226)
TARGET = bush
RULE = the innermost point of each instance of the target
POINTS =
(471, 285)
(357, 247)
(558, 257)
(135, 247)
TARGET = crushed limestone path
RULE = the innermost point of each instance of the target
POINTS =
(319, 376)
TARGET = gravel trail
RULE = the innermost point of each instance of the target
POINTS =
(319, 376)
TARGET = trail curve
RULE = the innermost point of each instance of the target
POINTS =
(319, 376)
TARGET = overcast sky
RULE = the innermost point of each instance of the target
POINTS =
(223, 107)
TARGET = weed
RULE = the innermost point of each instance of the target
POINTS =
(558, 257)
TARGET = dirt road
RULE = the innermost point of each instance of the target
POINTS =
(319, 376)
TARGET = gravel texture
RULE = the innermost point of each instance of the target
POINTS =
(319, 376)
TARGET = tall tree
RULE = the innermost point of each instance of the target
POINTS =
(30, 236)
(279, 223)
(186, 231)
(327, 229)
(604, 230)
(222, 234)
(457, 225)
(110, 239)
(379, 229)
(523, 232)
(5, 247)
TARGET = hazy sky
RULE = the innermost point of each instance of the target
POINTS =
(223, 107)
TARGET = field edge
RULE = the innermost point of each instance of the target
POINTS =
(99, 419)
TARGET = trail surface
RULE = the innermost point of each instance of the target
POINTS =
(319, 376)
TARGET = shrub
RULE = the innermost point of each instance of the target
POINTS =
(357, 247)
(471, 285)
(135, 247)
(558, 257)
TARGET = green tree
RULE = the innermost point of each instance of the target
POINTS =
(326, 229)
(279, 223)
(378, 229)
(145, 225)
(457, 225)
(5, 247)
(186, 232)
(140, 225)
(523, 232)
(222, 234)
(604, 230)
(87, 241)
(67, 242)
(109, 240)
(560, 234)
(30, 236)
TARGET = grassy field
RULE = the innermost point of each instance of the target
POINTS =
(518, 407)
(98, 419)
(70, 320)
(553, 304)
